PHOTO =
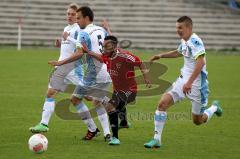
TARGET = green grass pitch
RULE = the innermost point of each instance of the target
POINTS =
(23, 83)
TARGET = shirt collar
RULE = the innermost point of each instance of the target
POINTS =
(115, 55)
(89, 25)
(73, 25)
(188, 39)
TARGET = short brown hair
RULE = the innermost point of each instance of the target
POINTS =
(86, 12)
(185, 19)
(73, 6)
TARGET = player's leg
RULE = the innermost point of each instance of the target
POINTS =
(119, 99)
(97, 93)
(111, 106)
(125, 98)
(122, 114)
(84, 113)
(56, 84)
(174, 95)
(48, 109)
(113, 118)
(103, 118)
(199, 100)
(200, 115)
(159, 120)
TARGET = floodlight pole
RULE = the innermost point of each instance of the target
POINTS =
(19, 33)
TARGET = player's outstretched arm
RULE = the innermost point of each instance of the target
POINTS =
(96, 56)
(105, 25)
(78, 54)
(170, 54)
(145, 71)
(91, 53)
(200, 62)
(58, 43)
(66, 36)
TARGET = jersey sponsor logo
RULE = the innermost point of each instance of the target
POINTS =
(65, 42)
(113, 72)
(118, 65)
(98, 29)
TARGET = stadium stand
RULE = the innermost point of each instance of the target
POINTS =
(148, 24)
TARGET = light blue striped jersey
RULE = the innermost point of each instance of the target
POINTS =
(93, 36)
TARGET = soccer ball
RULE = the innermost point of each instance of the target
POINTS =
(38, 143)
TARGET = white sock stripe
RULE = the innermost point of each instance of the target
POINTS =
(207, 112)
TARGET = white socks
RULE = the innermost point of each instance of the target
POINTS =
(86, 116)
(159, 121)
(48, 109)
(210, 111)
(103, 119)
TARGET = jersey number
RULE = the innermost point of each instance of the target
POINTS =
(100, 43)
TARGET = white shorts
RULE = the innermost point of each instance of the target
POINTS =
(97, 91)
(71, 73)
(198, 97)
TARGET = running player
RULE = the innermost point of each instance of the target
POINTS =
(122, 112)
(57, 81)
(97, 80)
(191, 84)
(121, 69)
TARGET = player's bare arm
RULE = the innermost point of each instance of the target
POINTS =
(145, 71)
(78, 54)
(58, 43)
(96, 56)
(65, 35)
(198, 67)
(91, 53)
(105, 25)
(170, 54)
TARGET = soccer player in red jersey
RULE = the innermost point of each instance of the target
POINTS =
(121, 64)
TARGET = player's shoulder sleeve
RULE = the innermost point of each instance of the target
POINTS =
(138, 61)
(179, 49)
(182, 47)
(77, 31)
(135, 60)
(65, 28)
(105, 32)
(197, 46)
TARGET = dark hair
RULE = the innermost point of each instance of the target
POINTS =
(185, 19)
(73, 6)
(112, 38)
(86, 12)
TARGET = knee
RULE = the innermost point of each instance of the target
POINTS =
(75, 101)
(51, 93)
(162, 106)
(165, 102)
(110, 108)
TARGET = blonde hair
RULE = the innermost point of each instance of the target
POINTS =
(74, 6)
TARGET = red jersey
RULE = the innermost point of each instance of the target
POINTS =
(121, 70)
